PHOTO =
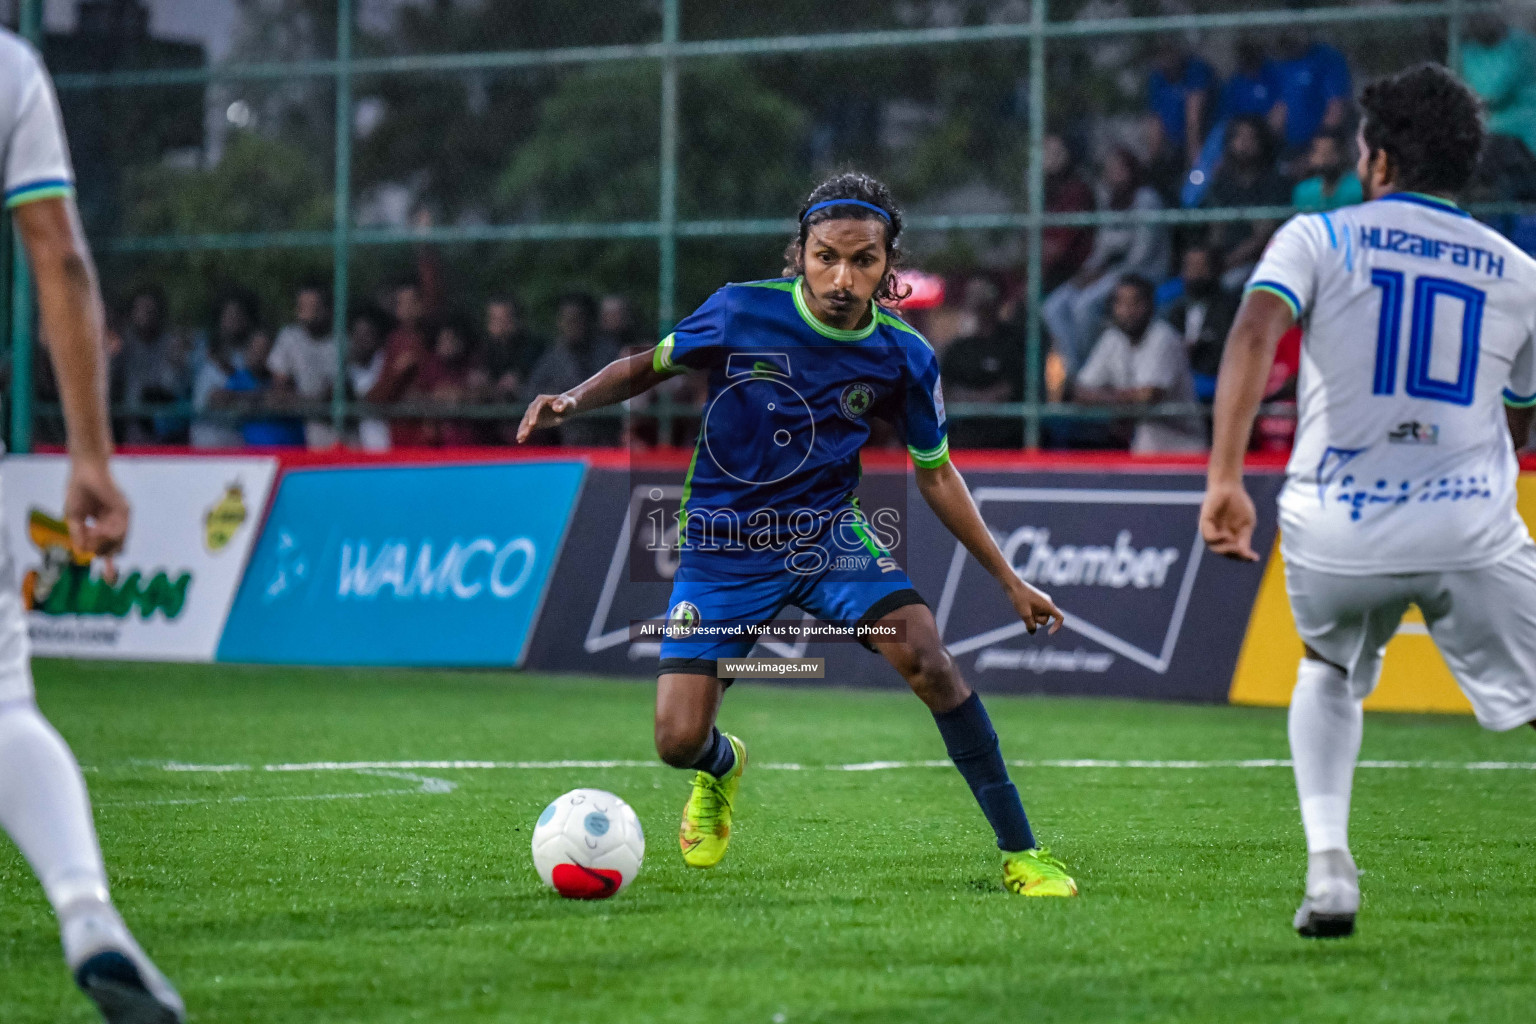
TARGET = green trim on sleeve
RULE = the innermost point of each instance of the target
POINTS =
(933, 458)
(661, 355)
(34, 193)
(1282, 296)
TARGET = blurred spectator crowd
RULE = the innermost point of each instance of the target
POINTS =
(243, 384)
(1137, 314)
(1132, 314)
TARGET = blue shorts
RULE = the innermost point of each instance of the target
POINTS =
(849, 592)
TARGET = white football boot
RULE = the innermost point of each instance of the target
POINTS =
(1333, 896)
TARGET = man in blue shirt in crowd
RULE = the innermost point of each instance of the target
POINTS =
(1252, 89)
(797, 366)
(1179, 91)
(1314, 90)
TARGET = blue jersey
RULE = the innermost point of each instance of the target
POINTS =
(790, 398)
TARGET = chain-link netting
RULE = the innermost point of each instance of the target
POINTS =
(510, 165)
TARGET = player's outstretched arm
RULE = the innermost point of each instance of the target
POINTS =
(69, 307)
(944, 490)
(619, 381)
(1227, 516)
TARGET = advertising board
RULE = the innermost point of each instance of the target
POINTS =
(194, 523)
(416, 565)
(1149, 614)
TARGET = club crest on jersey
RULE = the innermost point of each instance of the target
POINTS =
(856, 400)
(683, 619)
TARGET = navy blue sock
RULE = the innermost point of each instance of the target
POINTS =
(719, 756)
(972, 745)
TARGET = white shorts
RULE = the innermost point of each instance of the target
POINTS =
(1483, 620)
(15, 648)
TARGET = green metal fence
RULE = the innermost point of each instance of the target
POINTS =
(672, 55)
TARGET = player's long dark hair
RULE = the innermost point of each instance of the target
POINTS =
(865, 189)
(1430, 126)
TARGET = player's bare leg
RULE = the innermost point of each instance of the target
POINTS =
(686, 737)
(922, 659)
(928, 668)
(686, 707)
(1325, 726)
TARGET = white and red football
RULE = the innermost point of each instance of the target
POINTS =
(588, 845)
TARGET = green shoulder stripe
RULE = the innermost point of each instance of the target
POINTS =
(901, 325)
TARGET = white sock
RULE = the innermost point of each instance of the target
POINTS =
(1325, 727)
(44, 808)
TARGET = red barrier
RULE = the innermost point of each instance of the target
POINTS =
(670, 458)
(677, 458)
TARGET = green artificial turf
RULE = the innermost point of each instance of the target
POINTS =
(848, 896)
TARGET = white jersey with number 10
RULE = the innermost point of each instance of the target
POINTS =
(1419, 324)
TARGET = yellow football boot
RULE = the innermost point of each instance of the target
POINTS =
(1036, 873)
(706, 829)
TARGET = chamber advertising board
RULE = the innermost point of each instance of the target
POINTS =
(1149, 612)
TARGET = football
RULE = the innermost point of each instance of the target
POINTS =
(587, 845)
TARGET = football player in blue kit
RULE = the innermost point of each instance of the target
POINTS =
(796, 367)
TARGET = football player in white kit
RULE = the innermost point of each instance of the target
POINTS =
(43, 803)
(1418, 361)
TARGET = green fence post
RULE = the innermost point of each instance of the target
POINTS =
(666, 283)
(21, 349)
(31, 26)
(666, 296)
(341, 242)
(1453, 28)
(1034, 234)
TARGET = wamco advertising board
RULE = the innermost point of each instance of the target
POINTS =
(439, 565)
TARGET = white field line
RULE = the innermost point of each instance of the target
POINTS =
(194, 801)
(424, 784)
(380, 767)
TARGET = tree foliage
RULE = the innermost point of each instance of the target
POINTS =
(576, 142)
(259, 184)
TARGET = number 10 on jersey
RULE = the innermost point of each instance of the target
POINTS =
(1421, 336)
